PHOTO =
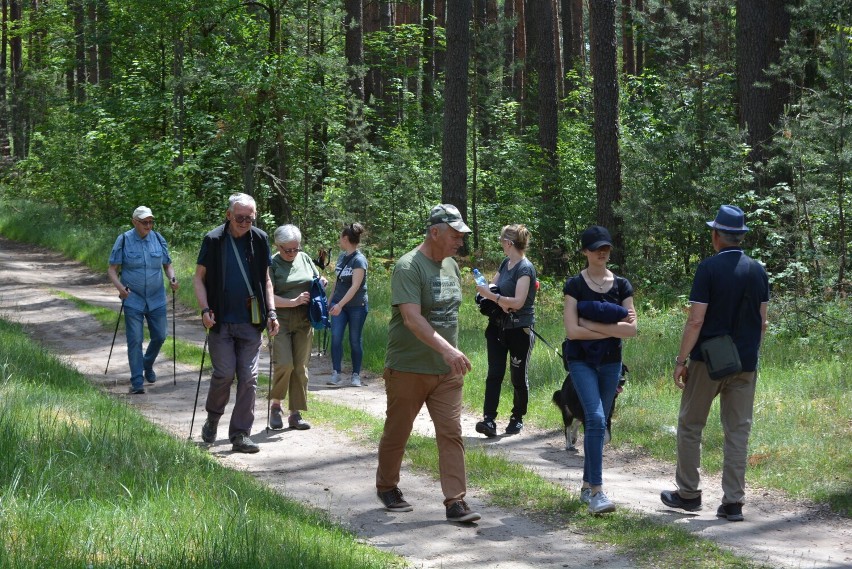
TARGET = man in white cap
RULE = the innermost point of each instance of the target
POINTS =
(423, 364)
(141, 255)
(730, 294)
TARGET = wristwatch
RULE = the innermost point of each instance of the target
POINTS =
(205, 311)
(272, 315)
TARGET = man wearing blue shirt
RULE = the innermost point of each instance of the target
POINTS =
(730, 294)
(142, 255)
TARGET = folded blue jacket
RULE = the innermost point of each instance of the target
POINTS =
(605, 313)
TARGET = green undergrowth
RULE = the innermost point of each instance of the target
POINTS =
(86, 481)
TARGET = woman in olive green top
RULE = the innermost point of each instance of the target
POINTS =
(292, 274)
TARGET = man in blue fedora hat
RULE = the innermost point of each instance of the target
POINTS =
(730, 294)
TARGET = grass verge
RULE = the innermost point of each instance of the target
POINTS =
(86, 481)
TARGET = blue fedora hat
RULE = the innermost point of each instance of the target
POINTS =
(730, 218)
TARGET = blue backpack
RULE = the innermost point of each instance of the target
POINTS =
(318, 306)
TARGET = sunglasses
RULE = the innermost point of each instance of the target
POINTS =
(244, 219)
(289, 251)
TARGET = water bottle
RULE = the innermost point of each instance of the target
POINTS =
(480, 280)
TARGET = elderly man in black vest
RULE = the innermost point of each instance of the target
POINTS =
(233, 287)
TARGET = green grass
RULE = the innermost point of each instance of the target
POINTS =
(86, 481)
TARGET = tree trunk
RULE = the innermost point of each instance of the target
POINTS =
(5, 145)
(79, 49)
(354, 49)
(18, 105)
(454, 151)
(627, 54)
(91, 28)
(605, 95)
(104, 42)
(763, 26)
(427, 99)
(640, 44)
(552, 227)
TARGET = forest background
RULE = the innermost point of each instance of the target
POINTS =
(641, 115)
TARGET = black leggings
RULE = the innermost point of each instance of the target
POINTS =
(518, 344)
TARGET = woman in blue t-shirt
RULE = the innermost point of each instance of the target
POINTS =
(593, 353)
(349, 304)
(509, 333)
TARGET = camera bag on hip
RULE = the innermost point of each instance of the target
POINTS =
(721, 356)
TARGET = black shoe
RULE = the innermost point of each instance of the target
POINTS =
(208, 431)
(393, 500)
(515, 425)
(275, 419)
(673, 500)
(296, 422)
(487, 427)
(242, 443)
(459, 512)
(150, 376)
(732, 512)
(137, 390)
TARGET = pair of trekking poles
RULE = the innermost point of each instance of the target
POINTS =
(201, 372)
(174, 339)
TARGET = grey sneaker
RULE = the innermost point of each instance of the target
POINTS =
(393, 500)
(600, 504)
(242, 443)
(586, 495)
(335, 379)
(137, 390)
(356, 380)
(460, 512)
(732, 512)
(296, 422)
(276, 421)
(208, 431)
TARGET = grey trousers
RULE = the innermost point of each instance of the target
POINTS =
(234, 353)
(736, 399)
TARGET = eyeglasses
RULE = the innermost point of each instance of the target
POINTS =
(146, 223)
(244, 219)
(289, 251)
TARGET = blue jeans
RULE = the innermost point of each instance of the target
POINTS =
(596, 386)
(354, 316)
(157, 325)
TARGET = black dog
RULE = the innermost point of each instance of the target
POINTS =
(569, 404)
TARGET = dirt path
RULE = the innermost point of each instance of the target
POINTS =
(324, 468)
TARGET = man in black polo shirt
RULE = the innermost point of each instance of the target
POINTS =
(730, 293)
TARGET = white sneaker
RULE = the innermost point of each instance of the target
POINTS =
(356, 380)
(600, 504)
(335, 379)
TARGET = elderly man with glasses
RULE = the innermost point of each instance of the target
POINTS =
(141, 256)
(233, 287)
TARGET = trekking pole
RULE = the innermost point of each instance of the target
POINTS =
(114, 334)
(198, 387)
(174, 339)
(269, 387)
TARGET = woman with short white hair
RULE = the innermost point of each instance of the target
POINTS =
(292, 273)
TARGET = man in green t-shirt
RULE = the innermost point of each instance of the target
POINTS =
(423, 364)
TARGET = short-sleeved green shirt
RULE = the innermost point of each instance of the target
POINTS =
(436, 288)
